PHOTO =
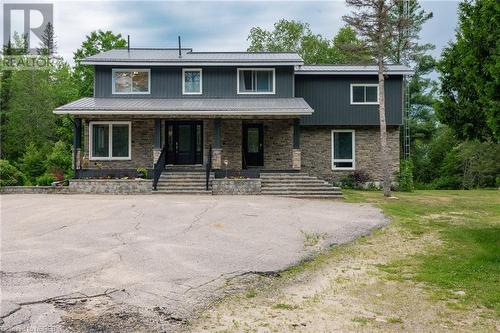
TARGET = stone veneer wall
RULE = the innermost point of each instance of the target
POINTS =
(111, 186)
(236, 186)
(278, 142)
(316, 147)
(142, 146)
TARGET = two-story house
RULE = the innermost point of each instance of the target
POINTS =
(240, 113)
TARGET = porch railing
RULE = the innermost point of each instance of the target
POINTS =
(159, 167)
(208, 168)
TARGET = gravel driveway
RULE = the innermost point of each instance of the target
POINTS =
(102, 263)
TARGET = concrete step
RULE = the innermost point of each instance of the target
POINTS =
(313, 196)
(182, 187)
(181, 192)
(302, 192)
(182, 180)
(295, 181)
(295, 189)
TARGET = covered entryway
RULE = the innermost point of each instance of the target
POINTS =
(253, 145)
(184, 141)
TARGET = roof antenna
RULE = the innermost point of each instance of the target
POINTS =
(179, 40)
(128, 43)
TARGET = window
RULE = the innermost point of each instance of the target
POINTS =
(110, 140)
(364, 93)
(131, 81)
(191, 82)
(256, 81)
(343, 150)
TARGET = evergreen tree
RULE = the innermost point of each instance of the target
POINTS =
(48, 45)
(470, 74)
(377, 26)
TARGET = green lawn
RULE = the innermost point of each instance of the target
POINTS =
(464, 264)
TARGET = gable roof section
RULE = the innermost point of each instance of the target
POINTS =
(351, 70)
(187, 106)
(170, 57)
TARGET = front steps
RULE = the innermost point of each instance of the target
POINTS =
(183, 182)
(297, 185)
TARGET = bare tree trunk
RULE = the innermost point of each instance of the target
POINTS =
(383, 130)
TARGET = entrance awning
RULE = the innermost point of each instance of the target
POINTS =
(188, 106)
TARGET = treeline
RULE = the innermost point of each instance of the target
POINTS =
(35, 143)
(454, 121)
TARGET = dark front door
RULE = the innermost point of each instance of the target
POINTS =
(253, 145)
(184, 142)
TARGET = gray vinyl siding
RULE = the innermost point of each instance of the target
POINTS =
(166, 82)
(329, 96)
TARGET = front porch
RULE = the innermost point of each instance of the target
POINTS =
(239, 147)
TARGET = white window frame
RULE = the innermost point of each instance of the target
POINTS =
(353, 159)
(184, 70)
(114, 70)
(364, 85)
(273, 92)
(110, 141)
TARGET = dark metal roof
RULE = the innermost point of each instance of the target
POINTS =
(171, 57)
(187, 106)
(352, 69)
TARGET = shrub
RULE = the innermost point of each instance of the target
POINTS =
(405, 178)
(33, 161)
(10, 175)
(142, 172)
(59, 159)
(45, 180)
(360, 177)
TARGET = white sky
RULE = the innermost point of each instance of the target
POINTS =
(213, 25)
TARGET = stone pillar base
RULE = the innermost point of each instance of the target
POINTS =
(296, 159)
(77, 157)
(156, 155)
(216, 158)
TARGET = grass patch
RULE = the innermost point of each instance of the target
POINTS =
(465, 265)
(312, 238)
(251, 293)
(284, 306)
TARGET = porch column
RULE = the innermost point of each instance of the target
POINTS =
(77, 145)
(157, 141)
(217, 148)
(296, 152)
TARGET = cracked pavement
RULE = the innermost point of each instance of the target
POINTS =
(107, 263)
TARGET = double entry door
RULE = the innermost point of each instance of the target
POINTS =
(184, 141)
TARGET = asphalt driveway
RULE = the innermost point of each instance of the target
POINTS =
(107, 263)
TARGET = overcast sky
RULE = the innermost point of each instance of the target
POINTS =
(214, 25)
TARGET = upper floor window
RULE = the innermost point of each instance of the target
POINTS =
(364, 93)
(131, 81)
(256, 80)
(191, 81)
(343, 154)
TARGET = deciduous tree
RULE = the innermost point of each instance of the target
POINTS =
(96, 42)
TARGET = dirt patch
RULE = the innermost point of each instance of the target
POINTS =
(345, 290)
